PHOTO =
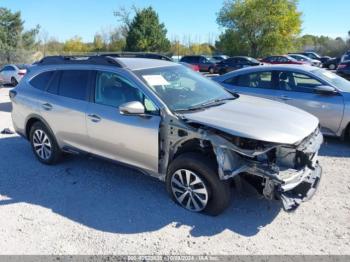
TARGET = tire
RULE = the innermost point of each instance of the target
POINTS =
(332, 67)
(14, 82)
(44, 144)
(211, 70)
(212, 196)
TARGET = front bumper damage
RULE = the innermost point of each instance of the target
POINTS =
(283, 179)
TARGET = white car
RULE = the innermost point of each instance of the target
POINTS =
(12, 74)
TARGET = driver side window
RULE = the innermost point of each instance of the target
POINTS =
(114, 90)
(297, 82)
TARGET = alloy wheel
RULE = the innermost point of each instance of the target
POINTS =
(42, 144)
(189, 190)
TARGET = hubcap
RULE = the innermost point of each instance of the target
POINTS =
(42, 144)
(189, 190)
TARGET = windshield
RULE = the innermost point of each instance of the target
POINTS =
(183, 89)
(337, 81)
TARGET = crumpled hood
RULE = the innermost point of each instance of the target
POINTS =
(258, 118)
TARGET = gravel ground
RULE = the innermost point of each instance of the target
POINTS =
(89, 206)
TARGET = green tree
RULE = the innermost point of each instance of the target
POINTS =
(75, 45)
(99, 44)
(265, 26)
(11, 27)
(146, 33)
(229, 43)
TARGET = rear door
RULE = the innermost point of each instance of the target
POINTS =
(130, 139)
(64, 107)
(297, 89)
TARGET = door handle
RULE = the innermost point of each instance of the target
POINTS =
(94, 118)
(285, 98)
(47, 106)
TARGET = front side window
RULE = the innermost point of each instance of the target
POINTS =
(74, 84)
(113, 90)
(181, 88)
(298, 82)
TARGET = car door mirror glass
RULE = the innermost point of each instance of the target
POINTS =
(325, 90)
(132, 108)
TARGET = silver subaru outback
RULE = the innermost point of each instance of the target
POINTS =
(172, 123)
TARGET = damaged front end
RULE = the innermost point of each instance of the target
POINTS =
(288, 172)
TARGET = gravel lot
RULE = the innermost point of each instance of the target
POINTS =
(89, 206)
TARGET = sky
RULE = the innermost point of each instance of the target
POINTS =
(64, 19)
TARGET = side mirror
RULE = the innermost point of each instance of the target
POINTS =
(132, 108)
(325, 90)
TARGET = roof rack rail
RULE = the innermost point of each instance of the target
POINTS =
(137, 55)
(92, 60)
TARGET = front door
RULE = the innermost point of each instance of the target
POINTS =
(130, 139)
(297, 89)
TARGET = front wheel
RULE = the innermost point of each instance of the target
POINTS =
(193, 183)
(211, 70)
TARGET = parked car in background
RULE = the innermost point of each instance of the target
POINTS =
(314, 55)
(315, 90)
(171, 123)
(235, 63)
(332, 63)
(193, 67)
(282, 59)
(345, 57)
(219, 58)
(312, 62)
(204, 64)
(344, 69)
(12, 74)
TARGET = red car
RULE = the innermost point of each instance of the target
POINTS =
(282, 59)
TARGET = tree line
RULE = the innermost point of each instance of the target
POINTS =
(249, 27)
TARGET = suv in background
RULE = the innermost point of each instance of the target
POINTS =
(171, 123)
(234, 63)
(314, 55)
(204, 64)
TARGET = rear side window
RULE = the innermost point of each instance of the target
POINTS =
(74, 84)
(254, 80)
(40, 81)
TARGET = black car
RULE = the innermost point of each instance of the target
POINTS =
(332, 63)
(314, 55)
(204, 64)
(344, 69)
(235, 63)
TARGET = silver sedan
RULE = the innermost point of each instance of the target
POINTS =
(317, 91)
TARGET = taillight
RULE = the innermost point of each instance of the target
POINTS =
(22, 72)
(195, 68)
(340, 66)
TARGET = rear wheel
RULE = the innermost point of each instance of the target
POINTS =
(44, 144)
(193, 183)
(14, 81)
(211, 70)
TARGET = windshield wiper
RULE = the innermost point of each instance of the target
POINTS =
(210, 103)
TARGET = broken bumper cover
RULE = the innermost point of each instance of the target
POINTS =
(304, 191)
